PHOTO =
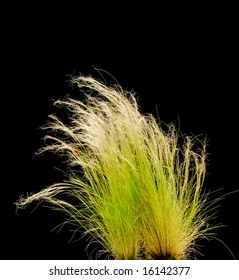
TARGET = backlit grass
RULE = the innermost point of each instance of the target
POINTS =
(138, 192)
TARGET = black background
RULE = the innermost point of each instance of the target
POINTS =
(186, 66)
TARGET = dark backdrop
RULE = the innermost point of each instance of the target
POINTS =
(186, 69)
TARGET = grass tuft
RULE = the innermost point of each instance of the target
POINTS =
(138, 193)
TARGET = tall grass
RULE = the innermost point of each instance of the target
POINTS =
(137, 191)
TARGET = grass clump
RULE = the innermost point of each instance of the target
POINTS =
(137, 192)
